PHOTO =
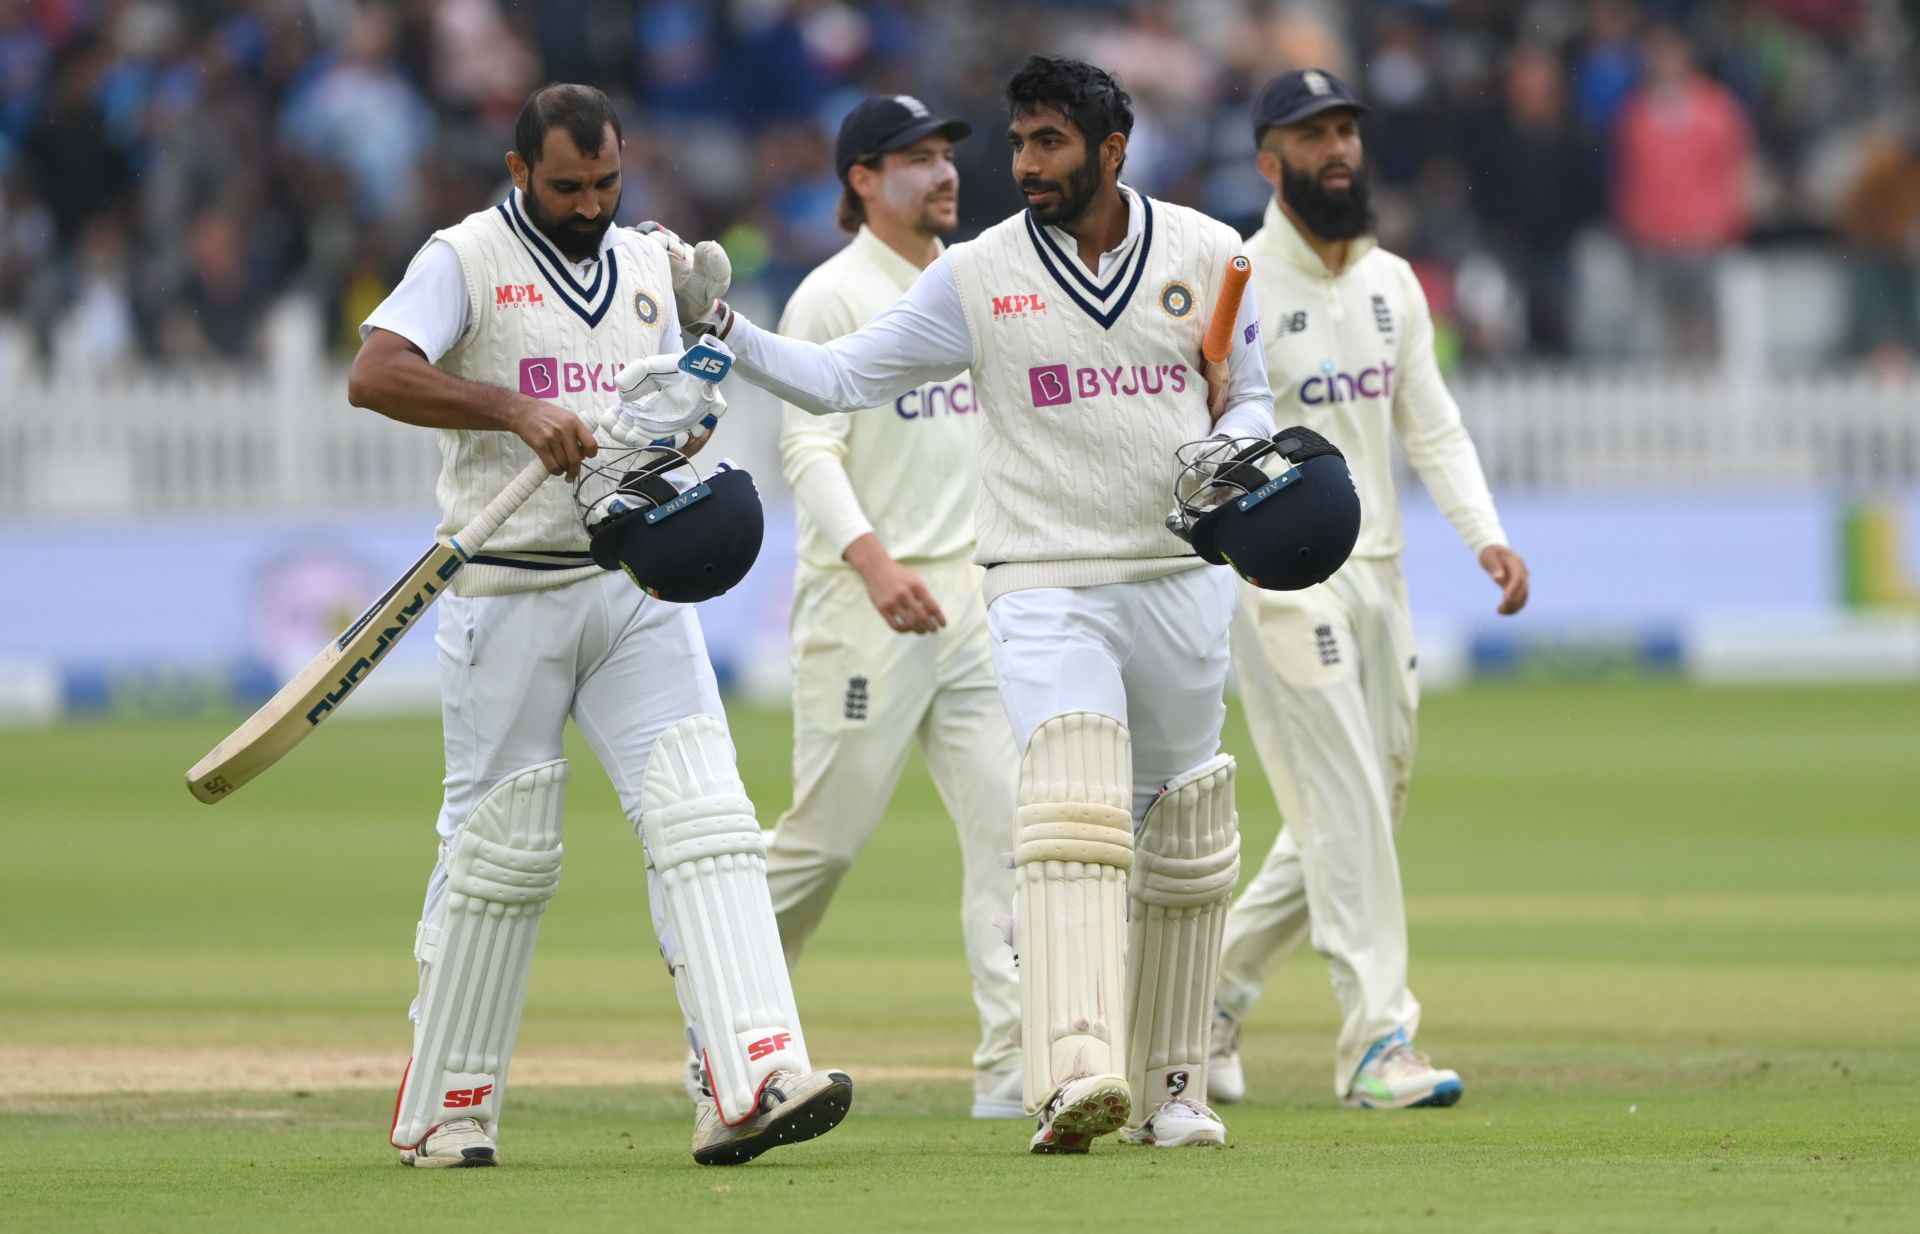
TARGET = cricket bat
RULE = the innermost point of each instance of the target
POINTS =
(1217, 344)
(324, 684)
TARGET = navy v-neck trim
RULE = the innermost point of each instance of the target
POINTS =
(1129, 273)
(591, 302)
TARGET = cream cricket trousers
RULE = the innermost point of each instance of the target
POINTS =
(863, 696)
(1327, 678)
(625, 666)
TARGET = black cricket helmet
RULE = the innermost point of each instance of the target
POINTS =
(678, 541)
(1283, 512)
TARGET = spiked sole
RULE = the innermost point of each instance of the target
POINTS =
(1445, 1093)
(792, 1124)
(468, 1159)
(1094, 1113)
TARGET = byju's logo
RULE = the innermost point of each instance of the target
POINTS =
(550, 377)
(540, 378)
(1050, 385)
(1054, 384)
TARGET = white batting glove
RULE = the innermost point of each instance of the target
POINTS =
(662, 406)
(702, 273)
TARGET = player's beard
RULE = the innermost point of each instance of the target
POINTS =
(1328, 215)
(908, 195)
(577, 239)
(1072, 198)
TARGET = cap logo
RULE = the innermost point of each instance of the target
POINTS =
(913, 105)
(1316, 82)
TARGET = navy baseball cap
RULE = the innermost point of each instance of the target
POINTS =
(1298, 93)
(888, 122)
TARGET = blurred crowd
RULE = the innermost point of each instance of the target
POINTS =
(1567, 175)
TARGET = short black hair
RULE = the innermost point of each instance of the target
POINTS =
(1086, 94)
(581, 110)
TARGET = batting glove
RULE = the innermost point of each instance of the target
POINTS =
(660, 405)
(702, 274)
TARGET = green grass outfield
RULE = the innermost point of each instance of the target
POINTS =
(1671, 937)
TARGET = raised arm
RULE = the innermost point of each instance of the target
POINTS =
(922, 337)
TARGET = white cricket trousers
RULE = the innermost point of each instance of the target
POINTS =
(1153, 655)
(863, 696)
(624, 665)
(1327, 678)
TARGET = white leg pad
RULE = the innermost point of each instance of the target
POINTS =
(1185, 866)
(1073, 844)
(709, 856)
(502, 869)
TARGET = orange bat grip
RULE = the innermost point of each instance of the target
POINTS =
(1218, 343)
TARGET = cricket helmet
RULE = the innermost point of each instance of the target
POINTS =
(1282, 511)
(678, 541)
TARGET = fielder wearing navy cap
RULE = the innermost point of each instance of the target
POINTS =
(888, 122)
(1298, 93)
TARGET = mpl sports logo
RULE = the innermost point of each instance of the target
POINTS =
(1055, 384)
(517, 295)
(550, 377)
(1014, 308)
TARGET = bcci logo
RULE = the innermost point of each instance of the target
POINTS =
(647, 307)
(1176, 300)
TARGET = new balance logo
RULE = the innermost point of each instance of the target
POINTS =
(1018, 306)
(1327, 646)
(769, 1045)
(1290, 323)
(513, 295)
(466, 1098)
(856, 698)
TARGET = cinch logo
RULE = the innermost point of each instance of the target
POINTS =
(769, 1045)
(1054, 384)
(548, 377)
(1018, 306)
(954, 398)
(466, 1098)
(1375, 382)
(513, 295)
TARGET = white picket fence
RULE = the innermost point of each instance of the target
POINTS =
(208, 442)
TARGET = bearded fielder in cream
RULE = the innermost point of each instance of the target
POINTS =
(1327, 675)
(1081, 320)
(514, 333)
(890, 646)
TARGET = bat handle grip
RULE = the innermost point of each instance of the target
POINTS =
(474, 535)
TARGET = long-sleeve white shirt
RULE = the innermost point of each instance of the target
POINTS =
(924, 338)
(1351, 357)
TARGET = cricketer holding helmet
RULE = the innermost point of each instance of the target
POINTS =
(1081, 320)
(1327, 674)
(507, 334)
(890, 644)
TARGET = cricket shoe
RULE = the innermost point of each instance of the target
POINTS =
(456, 1144)
(694, 1078)
(1394, 1076)
(793, 1107)
(1081, 1110)
(1226, 1079)
(999, 1094)
(1179, 1123)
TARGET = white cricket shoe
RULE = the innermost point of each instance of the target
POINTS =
(1179, 1123)
(1080, 1111)
(999, 1094)
(1226, 1079)
(457, 1144)
(1394, 1076)
(793, 1108)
